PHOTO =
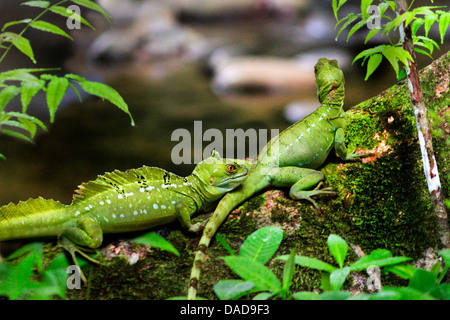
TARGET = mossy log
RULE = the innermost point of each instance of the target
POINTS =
(382, 202)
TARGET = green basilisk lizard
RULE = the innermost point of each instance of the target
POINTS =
(122, 201)
(291, 159)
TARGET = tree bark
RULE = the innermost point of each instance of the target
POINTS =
(424, 130)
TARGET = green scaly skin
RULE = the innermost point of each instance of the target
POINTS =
(290, 159)
(123, 201)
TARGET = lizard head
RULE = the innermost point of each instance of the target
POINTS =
(329, 81)
(220, 175)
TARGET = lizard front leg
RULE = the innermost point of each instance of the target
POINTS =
(183, 214)
(342, 150)
(304, 183)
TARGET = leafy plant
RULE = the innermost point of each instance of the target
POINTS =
(423, 16)
(256, 250)
(260, 246)
(154, 240)
(27, 82)
(23, 275)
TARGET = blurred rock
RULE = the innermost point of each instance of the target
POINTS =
(202, 9)
(297, 110)
(269, 74)
(144, 30)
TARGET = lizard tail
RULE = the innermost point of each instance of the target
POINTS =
(225, 206)
(31, 218)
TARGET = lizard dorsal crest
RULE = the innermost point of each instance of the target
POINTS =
(118, 180)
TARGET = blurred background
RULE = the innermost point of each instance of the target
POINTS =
(229, 63)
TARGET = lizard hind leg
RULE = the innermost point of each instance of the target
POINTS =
(84, 237)
(305, 183)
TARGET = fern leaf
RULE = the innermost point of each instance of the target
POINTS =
(29, 90)
(107, 93)
(55, 92)
(7, 94)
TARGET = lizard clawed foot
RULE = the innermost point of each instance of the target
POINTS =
(198, 227)
(306, 195)
(73, 248)
(354, 156)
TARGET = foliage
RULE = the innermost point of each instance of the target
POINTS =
(154, 240)
(26, 83)
(28, 279)
(260, 246)
(423, 16)
(24, 274)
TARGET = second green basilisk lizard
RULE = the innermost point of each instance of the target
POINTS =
(291, 159)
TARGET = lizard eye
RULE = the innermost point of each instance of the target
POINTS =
(231, 168)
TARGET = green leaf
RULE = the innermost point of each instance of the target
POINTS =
(338, 277)
(416, 24)
(404, 271)
(262, 244)
(423, 281)
(18, 124)
(445, 254)
(310, 263)
(306, 295)
(335, 295)
(372, 65)
(435, 268)
(365, 4)
(27, 117)
(49, 27)
(103, 91)
(39, 4)
(28, 90)
(16, 135)
(7, 94)
(371, 34)
(18, 281)
(379, 258)
(444, 21)
(256, 273)
(338, 248)
(232, 289)
(288, 271)
(441, 292)
(12, 23)
(355, 28)
(263, 296)
(22, 74)
(23, 45)
(367, 53)
(336, 5)
(65, 12)
(391, 55)
(93, 6)
(429, 21)
(154, 240)
(350, 18)
(56, 89)
(224, 243)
